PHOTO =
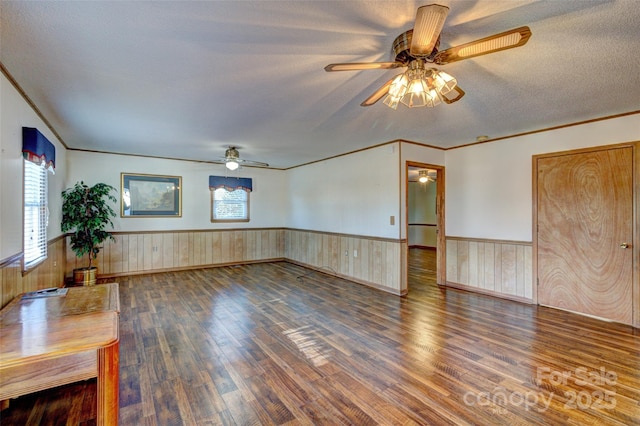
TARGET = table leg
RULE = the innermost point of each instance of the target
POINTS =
(108, 371)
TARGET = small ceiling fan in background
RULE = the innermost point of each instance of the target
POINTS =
(232, 160)
(417, 49)
(426, 176)
(422, 175)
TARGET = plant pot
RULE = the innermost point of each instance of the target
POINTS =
(85, 276)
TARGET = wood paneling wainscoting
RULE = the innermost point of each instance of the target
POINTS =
(376, 262)
(372, 261)
(146, 252)
(50, 273)
(495, 267)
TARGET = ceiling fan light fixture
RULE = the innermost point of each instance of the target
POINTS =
(399, 86)
(443, 82)
(396, 91)
(419, 87)
(417, 93)
(423, 176)
(420, 45)
(232, 160)
(231, 156)
(392, 101)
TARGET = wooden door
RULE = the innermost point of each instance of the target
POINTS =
(584, 218)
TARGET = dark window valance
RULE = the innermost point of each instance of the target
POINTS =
(37, 148)
(230, 183)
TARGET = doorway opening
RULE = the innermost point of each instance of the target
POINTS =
(425, 225)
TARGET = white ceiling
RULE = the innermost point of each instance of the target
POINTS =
(186, 79)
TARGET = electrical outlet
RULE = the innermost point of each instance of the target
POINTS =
(355, 253)
(392, 220)
(346, 253)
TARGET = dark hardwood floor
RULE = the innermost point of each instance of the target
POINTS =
(279, 344)
(422, 267)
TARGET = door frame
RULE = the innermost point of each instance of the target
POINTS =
(441, 265)
(636, 219)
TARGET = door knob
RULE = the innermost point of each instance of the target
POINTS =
(625, 245)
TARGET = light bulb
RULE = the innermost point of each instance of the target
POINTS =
(423, 176)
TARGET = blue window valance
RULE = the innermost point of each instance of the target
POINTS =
(230, 183)
(37, 148)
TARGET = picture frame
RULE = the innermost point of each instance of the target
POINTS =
(144, 195)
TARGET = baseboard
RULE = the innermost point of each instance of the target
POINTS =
(348, 278)
(189, 268)
(489, 293)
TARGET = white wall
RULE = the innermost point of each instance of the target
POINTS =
(267, 201)
(489, 186)
(352, 194)
(15, 113)
(422, 154)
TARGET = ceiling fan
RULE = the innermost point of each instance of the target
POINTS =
(417, 49)
(425, 176)
(232, 159)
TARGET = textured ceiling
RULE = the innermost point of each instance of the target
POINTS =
(186, 79)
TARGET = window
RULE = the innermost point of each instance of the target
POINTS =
(36, 214)
(230, 198)
(229, 206)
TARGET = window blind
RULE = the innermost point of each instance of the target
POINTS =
(35, 213)
(230, 205)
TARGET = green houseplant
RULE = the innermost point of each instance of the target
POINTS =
(86, 213)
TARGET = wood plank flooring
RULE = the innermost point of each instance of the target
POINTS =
(279, 344)
(422, 266)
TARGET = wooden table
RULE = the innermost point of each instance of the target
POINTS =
(53, 341)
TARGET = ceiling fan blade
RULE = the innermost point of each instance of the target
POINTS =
(357, 66)
(426, 30)
(253, 163)
(378, 94)
(506, 40)
(449, 99)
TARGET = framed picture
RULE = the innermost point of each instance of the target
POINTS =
(150, 195)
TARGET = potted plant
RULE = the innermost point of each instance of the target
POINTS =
(86, 213)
